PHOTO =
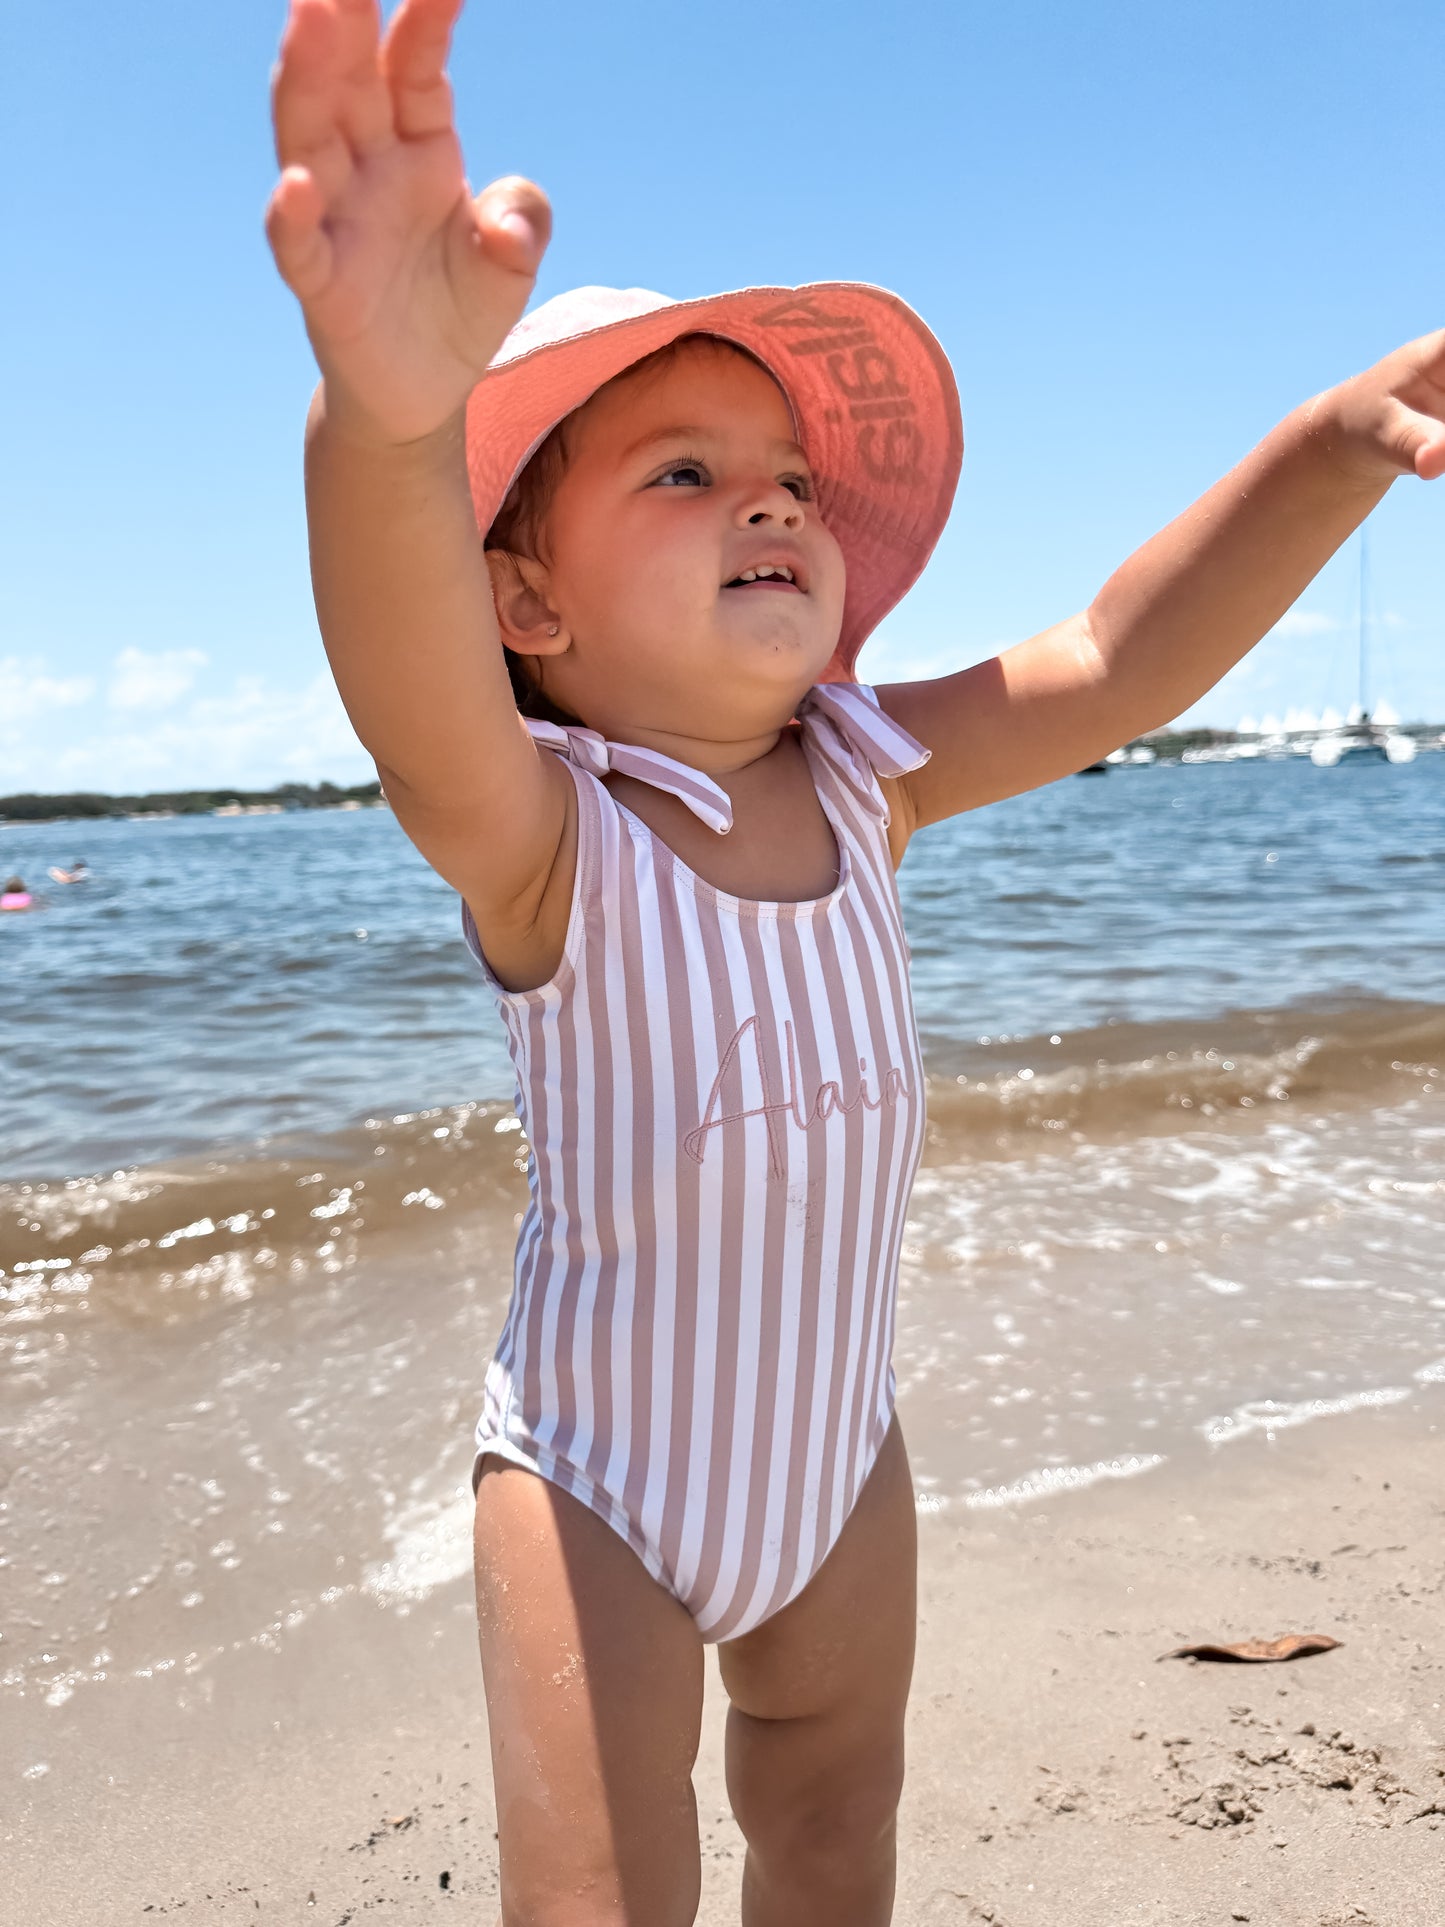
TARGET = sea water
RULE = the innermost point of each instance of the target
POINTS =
(1184, 1181)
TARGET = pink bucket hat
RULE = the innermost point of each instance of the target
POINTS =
(872, 394)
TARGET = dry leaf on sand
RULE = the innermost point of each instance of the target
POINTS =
(1287, 1646)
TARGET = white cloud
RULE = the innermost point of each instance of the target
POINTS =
(141, 681)
(1304, 622)
(252, 736)
(26, 690)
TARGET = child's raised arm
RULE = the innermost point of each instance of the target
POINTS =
(1186, 606)
(408, 286)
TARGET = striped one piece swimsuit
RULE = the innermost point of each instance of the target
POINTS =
(723, 1100)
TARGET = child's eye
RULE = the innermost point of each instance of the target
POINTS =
(683, 474)
(799, 485)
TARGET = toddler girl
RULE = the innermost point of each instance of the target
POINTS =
(593, 584)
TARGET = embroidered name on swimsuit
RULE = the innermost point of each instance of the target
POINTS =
(827, 1100)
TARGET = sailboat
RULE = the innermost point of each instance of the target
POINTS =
(1361, 739)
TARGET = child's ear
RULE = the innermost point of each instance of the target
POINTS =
(529, 625)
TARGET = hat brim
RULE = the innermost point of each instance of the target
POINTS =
(872, 393)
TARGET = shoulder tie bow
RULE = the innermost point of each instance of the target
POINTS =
(598, 757)
(852, 709)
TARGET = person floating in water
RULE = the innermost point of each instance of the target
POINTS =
(79, 872)
(15, 896)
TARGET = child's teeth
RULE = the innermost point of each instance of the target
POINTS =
(748, 575)
(767, 569)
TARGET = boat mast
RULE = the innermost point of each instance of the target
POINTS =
(1364, 604)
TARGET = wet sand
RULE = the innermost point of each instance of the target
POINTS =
(1061, 1775)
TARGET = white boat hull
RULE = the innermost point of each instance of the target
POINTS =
(1330, 750)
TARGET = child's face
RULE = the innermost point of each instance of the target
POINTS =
(681, 478)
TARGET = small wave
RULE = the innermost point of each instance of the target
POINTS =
(431, 1545)
(164, 1238)
(207, 1229)
(1130, 1079)
(1270, 1415)
(1051, 1479)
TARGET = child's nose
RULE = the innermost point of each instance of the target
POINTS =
(771, 502)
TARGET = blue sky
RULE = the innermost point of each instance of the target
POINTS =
(1143, 232)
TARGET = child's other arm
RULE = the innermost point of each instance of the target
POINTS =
(1187, 605)
(408, 287)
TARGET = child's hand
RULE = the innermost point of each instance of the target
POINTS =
(1390, 420)
(1186, 606)
(408, 285)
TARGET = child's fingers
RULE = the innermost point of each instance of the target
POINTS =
(1414, 428)
(1429, 452)
(365, 99)
(1413, 438)
(328, 86)
(494, 246)
(513, 219)
(298, 240)
(306, 82)
(414, 58)
(306, 109)
(1432, 357)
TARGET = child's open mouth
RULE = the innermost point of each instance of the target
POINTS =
(767, 576)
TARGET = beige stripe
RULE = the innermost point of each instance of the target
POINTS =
(646, 993)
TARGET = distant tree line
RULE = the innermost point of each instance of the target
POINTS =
(1167, 744)
(85, 805)
(1170, 744)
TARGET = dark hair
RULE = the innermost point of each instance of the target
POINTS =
(519, 526)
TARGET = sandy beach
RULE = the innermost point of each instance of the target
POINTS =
(1166, 1206)
(1061, 1773)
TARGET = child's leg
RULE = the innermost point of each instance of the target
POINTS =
(815, 1732)
(594, 1697)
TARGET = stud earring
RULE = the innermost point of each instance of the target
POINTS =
(551, 628)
